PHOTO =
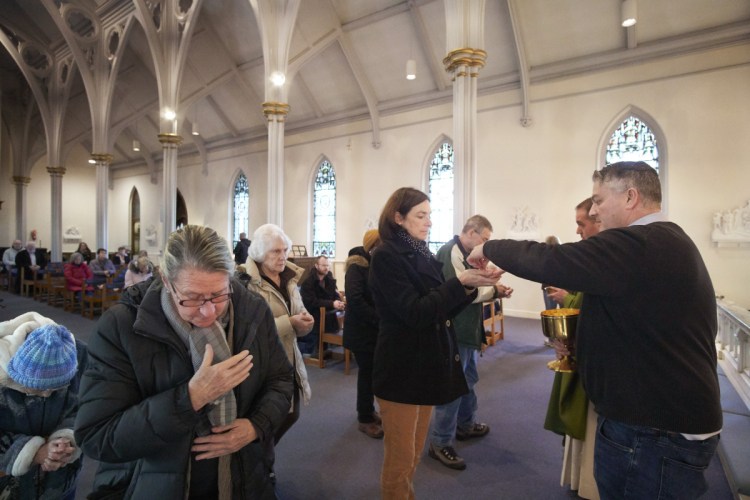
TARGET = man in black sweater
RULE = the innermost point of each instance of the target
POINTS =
(645, 338)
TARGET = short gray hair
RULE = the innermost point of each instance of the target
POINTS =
(74, 256)
(263, 237)
(632, 174)
(478, 223)
(197, 247)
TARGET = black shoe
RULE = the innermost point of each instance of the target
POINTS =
(447, 456)
(476, 430)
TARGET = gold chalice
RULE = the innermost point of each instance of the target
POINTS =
(560, 324)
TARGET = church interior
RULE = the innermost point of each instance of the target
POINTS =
(123, 119)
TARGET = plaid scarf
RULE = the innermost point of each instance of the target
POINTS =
(224, 410)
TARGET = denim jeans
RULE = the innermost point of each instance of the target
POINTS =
(461, 412)
(644, 463)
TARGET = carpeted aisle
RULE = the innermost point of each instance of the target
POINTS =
(324, 456)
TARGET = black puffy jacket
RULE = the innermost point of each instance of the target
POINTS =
(134, 402)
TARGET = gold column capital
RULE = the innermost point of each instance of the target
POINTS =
(20, 179)
(170, 138)
(102, 158)
(464, 57)
(278, 109)
(56, 171)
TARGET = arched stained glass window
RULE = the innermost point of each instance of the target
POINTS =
(241, 208)
(324, 211)
(441, 197)
(633, 140)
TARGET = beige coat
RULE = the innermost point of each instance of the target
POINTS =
(281, 313)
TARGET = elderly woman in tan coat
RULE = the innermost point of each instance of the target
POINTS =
(268, 273)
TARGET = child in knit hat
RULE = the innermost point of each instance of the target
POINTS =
(40, 369)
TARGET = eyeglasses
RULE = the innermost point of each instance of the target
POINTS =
(201, 302)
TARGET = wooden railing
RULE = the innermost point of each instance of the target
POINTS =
(732, 343)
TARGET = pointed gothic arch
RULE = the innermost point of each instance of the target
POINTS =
(181, 214)
(239, 206)
(135, 221)
(659, 137)
(323, 189)
(440, 186)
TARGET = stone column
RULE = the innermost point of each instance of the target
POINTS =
(464, 64)
(170, 142)
(21, 183)
(56, 175)
(464, 34)
(276, 113)
(102, 162)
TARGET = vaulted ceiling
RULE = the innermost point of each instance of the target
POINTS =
(347, 60)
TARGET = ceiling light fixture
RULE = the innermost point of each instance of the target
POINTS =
(169, 114)
(136, 145)
(411, 69)
(629, 11)
(278, 78)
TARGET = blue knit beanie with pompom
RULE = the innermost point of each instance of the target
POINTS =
(47, 359)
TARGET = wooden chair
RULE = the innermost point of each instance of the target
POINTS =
(44, 285)
(94, 301)
(12, 277)
(493, 319)
(104, 295)
(29, 285)
(335, 338)
(56, 292)
(69, 300)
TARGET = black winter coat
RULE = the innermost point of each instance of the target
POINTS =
(135, 406)
(361, 319)
(416, 357)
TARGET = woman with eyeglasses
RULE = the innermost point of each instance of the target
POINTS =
(188, 381)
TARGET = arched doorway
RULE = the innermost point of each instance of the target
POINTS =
(181, 214)
(135, 222)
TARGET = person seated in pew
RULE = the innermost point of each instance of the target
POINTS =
(319, 290)
(102, 267)
(29, 261)
(77, 273)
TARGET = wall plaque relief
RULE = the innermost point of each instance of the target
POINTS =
(732, 226)
(72, 234)
(524, 225)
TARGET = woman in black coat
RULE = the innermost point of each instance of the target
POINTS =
(361, 330)
(187, 382)
(416, 362)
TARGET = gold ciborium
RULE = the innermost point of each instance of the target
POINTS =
(560, 324)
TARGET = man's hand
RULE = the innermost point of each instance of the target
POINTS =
(503, 292)
(556, 294)
(225, 439)
(302, 322)
(561, 350)
(210, 382)
(339, 305)
(476, 258)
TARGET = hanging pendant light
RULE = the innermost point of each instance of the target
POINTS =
(411, 69)
(136, 145)
(629, 13)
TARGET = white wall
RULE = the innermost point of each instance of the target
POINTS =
(547, 168)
